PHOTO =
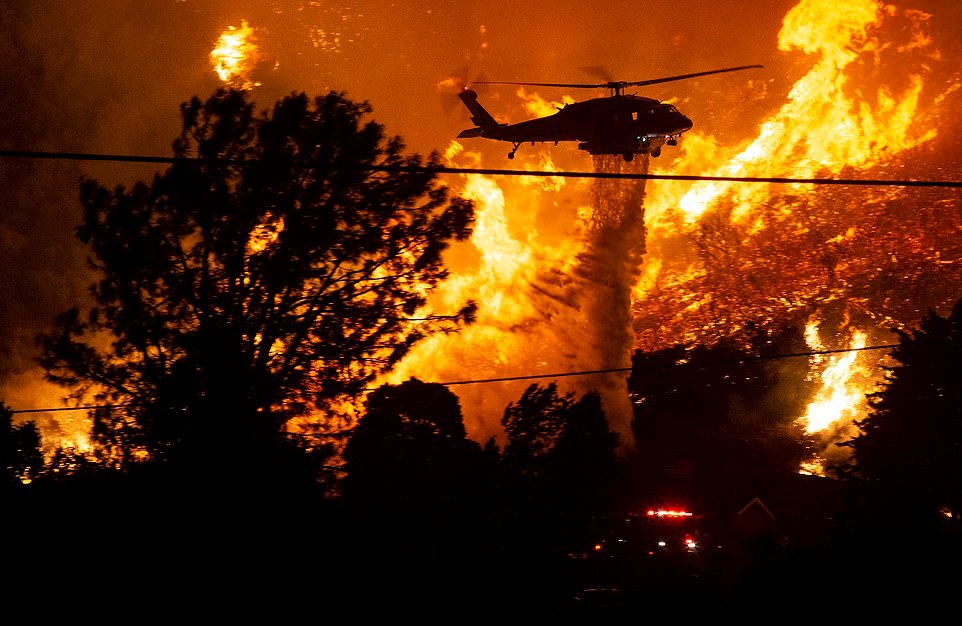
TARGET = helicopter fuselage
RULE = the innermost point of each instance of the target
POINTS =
(623, 125)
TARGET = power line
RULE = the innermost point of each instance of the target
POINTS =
(503, 379)
(81, 156)
(736, 179)
(616, 370)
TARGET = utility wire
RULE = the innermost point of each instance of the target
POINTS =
(504, 379)
(81, 156)
(615, 370)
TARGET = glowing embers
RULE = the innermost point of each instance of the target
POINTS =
(846, 111)
(235, 55)
(726, 256)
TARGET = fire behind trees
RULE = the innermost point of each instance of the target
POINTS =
(20, 454)
(276, 276)
(260, 282)
(907, 450)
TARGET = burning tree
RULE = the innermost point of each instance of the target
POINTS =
(263, 280)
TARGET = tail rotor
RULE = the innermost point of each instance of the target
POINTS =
(450, 88)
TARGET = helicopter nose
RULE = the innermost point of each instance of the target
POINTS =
(684, 123)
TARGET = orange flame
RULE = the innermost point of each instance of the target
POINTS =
(502, 264)
(234, 56)
(717, 256)
(536, 106)
(757, 257)
(540, 292)
(840, 399)
(826, 123)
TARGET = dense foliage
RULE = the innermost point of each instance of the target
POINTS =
(21, 458)
(910, 444)
(560, 450)
(282, 265)
(724, 412)
(410, 449)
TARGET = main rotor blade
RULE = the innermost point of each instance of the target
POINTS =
(579, 85)
(619, 84)
(667, 79)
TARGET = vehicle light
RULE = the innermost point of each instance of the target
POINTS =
(668, 513)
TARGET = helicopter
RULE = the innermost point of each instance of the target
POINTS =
(617, 124)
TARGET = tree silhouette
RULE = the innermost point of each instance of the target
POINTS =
(556, 471)
(21, 456)
(264, 279)
(723, 413)
(416, 492)
(909, 445)
(410, 450)
(559, 450)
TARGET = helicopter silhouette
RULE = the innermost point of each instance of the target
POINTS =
(617, 124)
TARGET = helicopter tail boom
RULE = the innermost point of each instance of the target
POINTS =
(479, 115)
